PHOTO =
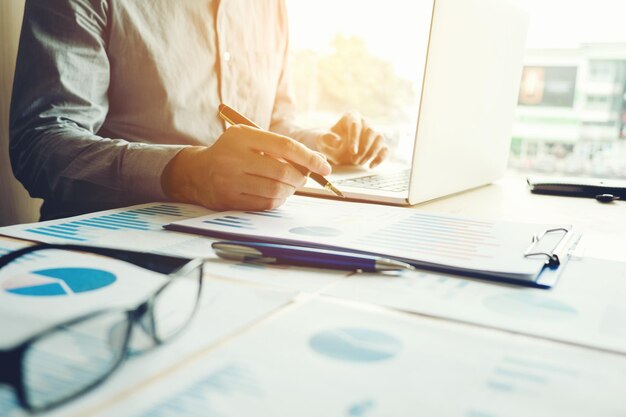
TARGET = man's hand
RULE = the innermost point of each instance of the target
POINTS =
(353, 141)
(243, 170)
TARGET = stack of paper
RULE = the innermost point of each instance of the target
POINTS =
(325, 359)
(445, 243)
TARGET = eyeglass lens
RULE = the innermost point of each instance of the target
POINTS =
(70, 359)
(174, 306)
(63, 363)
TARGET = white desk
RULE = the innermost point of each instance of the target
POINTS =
(603, 225)
(273, 339)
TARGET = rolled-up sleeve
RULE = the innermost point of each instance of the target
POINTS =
(58, 106)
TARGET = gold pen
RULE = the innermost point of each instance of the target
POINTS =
(233, 117)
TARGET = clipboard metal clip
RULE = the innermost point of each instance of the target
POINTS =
(553, 257)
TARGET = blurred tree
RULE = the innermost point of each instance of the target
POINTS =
(349, 77)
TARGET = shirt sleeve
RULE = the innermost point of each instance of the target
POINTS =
(59, 104)
(283, 115)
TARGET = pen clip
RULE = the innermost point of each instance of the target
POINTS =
(239, 252)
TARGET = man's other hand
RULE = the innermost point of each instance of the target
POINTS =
(353, 142)
(244, 170)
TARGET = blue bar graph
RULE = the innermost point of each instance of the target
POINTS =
(232, 221)
(229, 383)
(276, 213)
(138, 219)
(512, 374)
(30, 256)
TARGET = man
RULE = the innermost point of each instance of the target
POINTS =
(115, 103)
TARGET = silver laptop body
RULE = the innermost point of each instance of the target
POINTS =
(469, 91)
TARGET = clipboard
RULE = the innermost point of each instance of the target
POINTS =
(510, 252)
(557, 257)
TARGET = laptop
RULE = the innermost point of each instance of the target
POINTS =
(469, 90)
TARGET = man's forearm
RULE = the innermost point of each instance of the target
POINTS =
(66, 163)
(60, 102)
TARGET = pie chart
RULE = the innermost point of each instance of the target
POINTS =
(58, 282)
(355, 345)
(318, 231)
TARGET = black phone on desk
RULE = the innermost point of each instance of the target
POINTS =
(603, 190)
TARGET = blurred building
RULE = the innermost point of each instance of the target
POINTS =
(571, 116)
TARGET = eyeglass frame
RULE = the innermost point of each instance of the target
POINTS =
(12, 373)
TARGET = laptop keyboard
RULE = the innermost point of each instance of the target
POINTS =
(395, 181)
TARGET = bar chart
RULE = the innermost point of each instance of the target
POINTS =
(437, 235)
(25, 258)
(493, 250)
(141, 219)
(208, 396)
(134, 228)
(234, 222)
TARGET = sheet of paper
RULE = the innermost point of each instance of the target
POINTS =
(586, 307)
(225, 309)
(307, 280)
(136, 228)
(413, 235)
(47, 287)
(323, 359)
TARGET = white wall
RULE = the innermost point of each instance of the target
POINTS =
(15, 204)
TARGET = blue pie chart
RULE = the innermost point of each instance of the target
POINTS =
(58, 282)
(355, 345)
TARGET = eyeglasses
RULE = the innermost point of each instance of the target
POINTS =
(69, 359)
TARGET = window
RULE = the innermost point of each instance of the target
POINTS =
(548, 86)
(571, 115)
(602, 70)
(340, 64)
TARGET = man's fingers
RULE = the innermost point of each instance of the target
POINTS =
(368, 139)
(375, 148)
(380, 157)
(354, 136)
(332, 154)
(329, 140)
(271, 168)
(330, 145)
(288, 149)
(266, 188)
(254, 193)
(344, 122)
(349, 127)
(248, 202)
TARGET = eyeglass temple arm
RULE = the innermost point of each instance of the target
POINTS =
(164, 264)
(11, 256)
(10, 365)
